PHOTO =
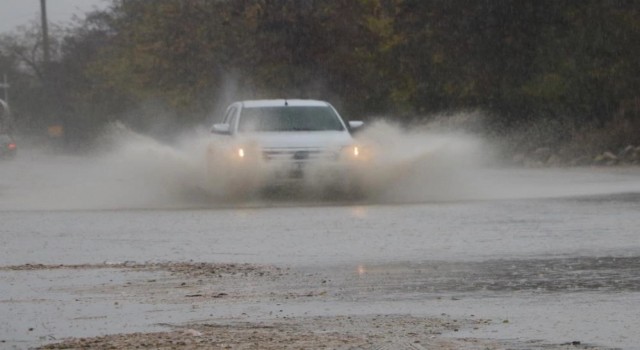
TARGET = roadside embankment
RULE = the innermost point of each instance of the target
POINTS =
(547, 156)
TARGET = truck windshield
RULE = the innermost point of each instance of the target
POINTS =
(289, 118)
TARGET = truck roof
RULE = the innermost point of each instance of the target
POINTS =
(282, 102)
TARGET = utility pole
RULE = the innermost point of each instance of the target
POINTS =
(45, 31)
(55, 129)
(5, 86)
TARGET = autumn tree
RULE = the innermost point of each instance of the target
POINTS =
(518, 61)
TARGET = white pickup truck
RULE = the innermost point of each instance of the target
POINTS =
(266, 143)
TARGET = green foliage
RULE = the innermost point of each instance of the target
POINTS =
(518, 60)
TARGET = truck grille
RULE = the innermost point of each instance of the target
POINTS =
(297, 155)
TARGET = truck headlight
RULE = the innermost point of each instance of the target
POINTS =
(246, 152)
(352, 152)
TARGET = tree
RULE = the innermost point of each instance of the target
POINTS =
(517, 60)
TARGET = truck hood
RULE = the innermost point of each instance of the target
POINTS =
(298, 139)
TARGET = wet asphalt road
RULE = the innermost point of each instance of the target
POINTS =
(559, 266)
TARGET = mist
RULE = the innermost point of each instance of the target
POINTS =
(130, 170)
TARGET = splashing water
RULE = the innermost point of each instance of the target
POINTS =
(421, 165)
(134, 171)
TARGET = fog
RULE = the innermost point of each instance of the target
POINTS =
(130, 170)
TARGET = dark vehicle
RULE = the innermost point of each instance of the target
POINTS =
(8, 146)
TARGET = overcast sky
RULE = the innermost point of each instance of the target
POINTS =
(14, 13)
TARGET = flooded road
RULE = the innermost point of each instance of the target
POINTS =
(530, 259)
(299, 233)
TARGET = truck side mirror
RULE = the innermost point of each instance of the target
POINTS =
(355, 124)
(222, 129)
